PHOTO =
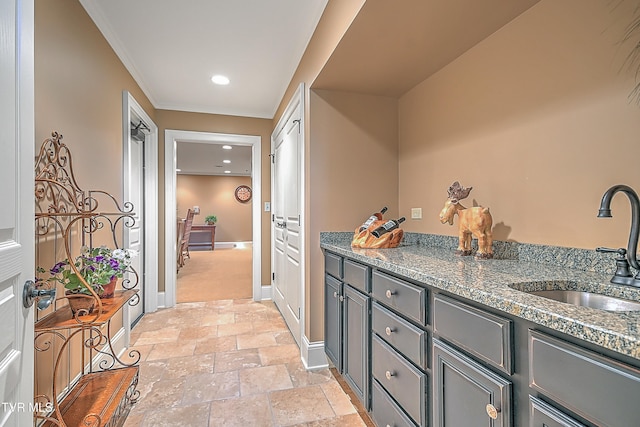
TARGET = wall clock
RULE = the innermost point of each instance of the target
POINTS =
(243, 193)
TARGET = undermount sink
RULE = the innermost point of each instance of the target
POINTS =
(589, 299)
(578, 294)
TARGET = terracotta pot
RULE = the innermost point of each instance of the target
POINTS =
(109, 289)
(79, 302)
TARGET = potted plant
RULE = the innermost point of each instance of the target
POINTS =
(99, 268)
(210, 219)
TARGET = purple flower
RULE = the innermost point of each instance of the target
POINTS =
(114, 264)
(99, 258)
(58, 267)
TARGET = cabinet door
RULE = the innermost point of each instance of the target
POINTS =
(332, 320)
(467, 394)
(355, 339)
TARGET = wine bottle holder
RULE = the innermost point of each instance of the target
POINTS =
(364, 239)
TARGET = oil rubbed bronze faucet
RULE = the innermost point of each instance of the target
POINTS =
(623, 276)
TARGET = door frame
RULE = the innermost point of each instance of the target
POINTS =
(171, 139)
(150, 208)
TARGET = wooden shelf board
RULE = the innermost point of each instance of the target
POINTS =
(63, 319)
(97, 393)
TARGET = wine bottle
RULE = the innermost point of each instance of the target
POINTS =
(376, 216)
(388, 226)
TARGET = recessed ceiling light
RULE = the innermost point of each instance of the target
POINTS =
(227, 147)
(220, 79)
(227, 171)
(226, 161)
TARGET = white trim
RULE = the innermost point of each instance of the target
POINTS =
(150, 210)
(312, 354)
(266, 293)
(171, 138)
(161, 300)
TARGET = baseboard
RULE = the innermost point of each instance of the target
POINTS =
(265, 293)
(231, 245)
(162, 303)
(312, 355)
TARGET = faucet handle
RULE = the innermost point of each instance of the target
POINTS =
(620, 251)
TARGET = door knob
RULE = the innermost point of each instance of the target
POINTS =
(492, 411)
(30, 293)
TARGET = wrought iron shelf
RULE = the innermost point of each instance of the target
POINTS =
(100, 394)
(63, 319)
(85, 380)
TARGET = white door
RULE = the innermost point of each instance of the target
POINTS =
(287, 217)
(16, 211)
(135, 234)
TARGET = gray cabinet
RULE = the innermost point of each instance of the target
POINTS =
(597, 388)
(355, 342)
(347, 323)
(541, 414)
(333, 320)
(465, 393)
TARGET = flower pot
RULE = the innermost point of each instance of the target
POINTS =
(109, 289)
(78, 302)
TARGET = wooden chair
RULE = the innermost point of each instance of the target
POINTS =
(184, 247)
(180, 235)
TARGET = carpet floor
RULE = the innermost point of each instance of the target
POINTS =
(222, 274)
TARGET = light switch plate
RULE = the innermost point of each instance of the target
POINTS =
(267, 206)
(416, 213)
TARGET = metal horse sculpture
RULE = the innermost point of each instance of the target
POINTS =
(474, 221)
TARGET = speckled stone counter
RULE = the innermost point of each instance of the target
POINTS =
(430, 259)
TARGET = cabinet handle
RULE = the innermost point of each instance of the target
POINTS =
(389, 330)
(492, 411)
(389, 293)
(335, 295)
(341, 298)
(389, 374)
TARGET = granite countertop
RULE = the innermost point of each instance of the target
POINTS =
(492, 282)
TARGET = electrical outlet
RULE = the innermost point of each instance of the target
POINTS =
(416, 213)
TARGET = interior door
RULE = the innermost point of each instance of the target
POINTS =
(286, 208)
(135, 234)
(17, 211)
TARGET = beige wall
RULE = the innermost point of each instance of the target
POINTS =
(353, 172)
(215, 195)
(178, 120)
(537, 119)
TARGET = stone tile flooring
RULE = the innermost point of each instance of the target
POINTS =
(230, 363)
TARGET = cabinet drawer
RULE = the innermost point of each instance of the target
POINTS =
(357, 275)
(408, 299)
(541, 414)
(385, 411)
(594, 387)
(333, 265)
(405, 383)
(405, 337)
(480, 333)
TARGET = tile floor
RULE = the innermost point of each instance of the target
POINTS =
(230, 363)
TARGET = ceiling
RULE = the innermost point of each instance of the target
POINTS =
(391, 46)
(173, 48)
(195, 158)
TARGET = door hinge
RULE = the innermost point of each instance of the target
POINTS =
(273, 276)
(297, 121)
(299, 313)
(273, 157)
(299, 223)
(273, 217)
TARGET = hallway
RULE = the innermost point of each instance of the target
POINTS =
(230, 363)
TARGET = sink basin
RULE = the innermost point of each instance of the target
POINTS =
(589, 299)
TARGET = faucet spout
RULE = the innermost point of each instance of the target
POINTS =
(634, 235)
